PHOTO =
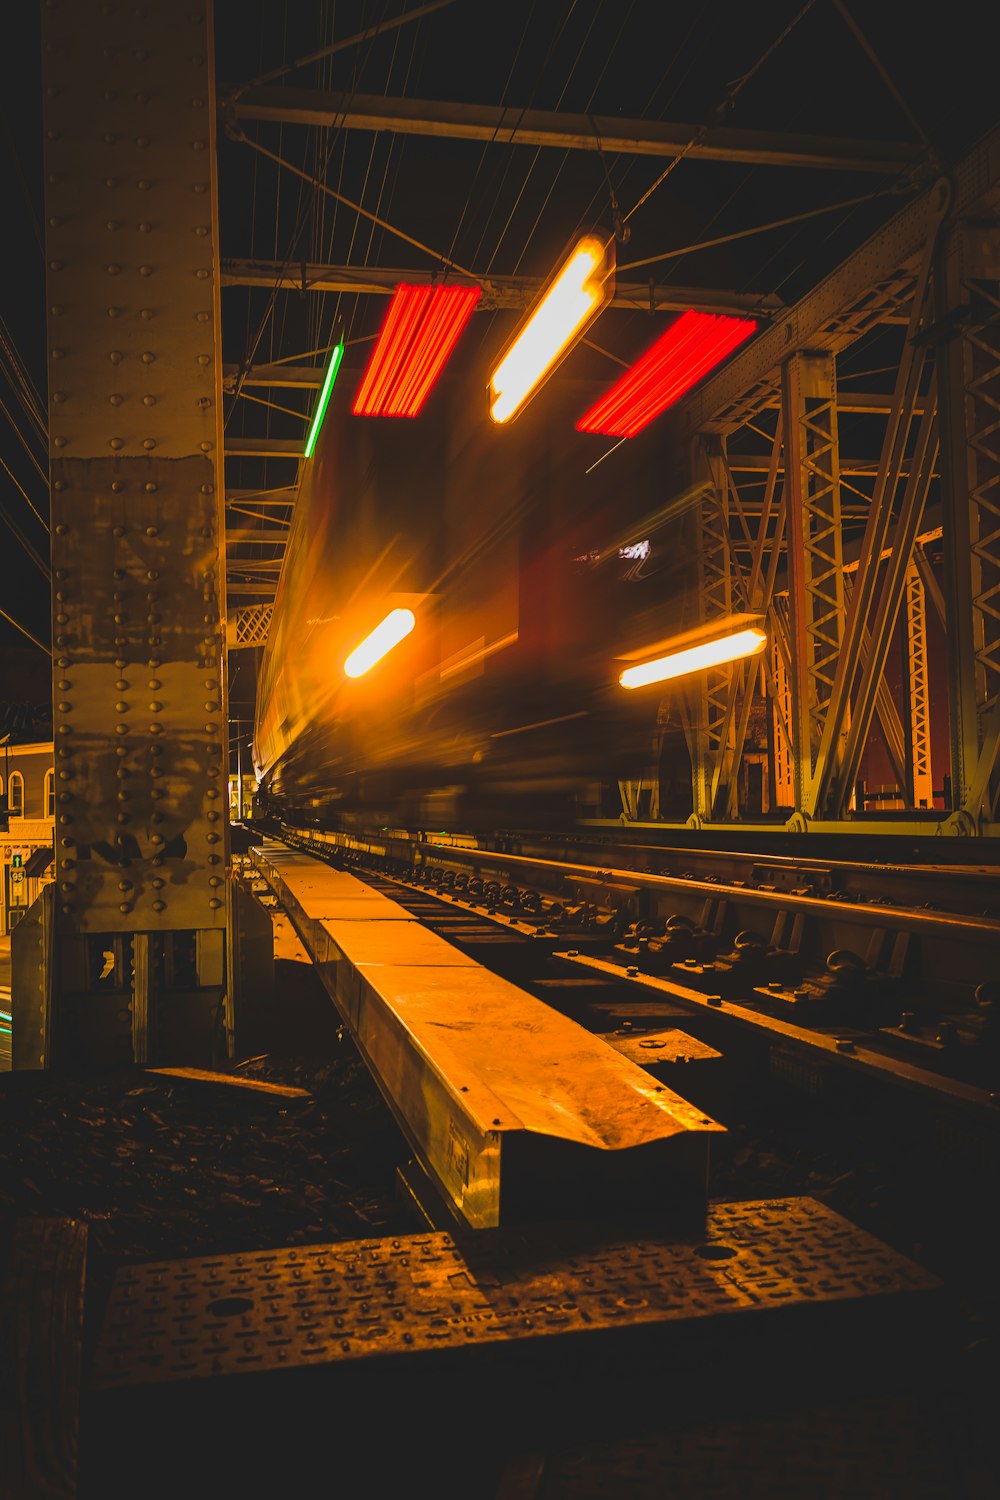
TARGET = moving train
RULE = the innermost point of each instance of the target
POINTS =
(520, 553)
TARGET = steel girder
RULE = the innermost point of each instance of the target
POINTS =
(891, 529)
(567, 132)
(920, 782)
(969, 363)
(873, 283)
(511, 292)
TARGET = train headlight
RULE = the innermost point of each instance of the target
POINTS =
(574, 297)
(731, 640)
(388, 633)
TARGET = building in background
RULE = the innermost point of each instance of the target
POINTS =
(27, 821)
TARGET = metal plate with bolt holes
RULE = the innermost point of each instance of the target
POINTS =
(651, 1049)
(317, 1304)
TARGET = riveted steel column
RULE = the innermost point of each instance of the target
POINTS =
(137, 485)
(920, 776)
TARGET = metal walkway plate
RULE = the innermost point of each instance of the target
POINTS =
(269, 1310)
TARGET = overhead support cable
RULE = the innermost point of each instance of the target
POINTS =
(25, 542)
(742, 234)
(22, 384)
(303, 416)
(380, 28)
(27, 498)
(25, 631)
(881, 70)
(365, 213)
(22, 439)
(701, 132)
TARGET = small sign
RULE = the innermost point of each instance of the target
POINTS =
(15, 860)
(16, 876)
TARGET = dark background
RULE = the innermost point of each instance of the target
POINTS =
(493, 208)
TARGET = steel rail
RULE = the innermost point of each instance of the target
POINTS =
(843, 1044)
(873, 915)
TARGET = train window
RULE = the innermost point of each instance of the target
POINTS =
(638, 551)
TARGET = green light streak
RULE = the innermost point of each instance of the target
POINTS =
(324, 397)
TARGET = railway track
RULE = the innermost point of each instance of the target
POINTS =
(847, 966)
(615, 1330)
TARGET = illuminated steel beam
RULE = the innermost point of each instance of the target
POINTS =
(570, 132)
(244, 447)
(498, 292)
(294, 377)
(251, 590)
(758, 463)
(273, 535)
(868, 403)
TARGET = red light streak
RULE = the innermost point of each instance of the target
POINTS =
(691, 346)
(421, 328)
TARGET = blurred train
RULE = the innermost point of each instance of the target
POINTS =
(521, 553)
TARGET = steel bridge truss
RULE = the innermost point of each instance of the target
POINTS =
(848, 588)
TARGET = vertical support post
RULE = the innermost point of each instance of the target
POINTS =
(815, 555)
(783, 788)
(968, 284)
(140, 997)
(708, 692)
(919, 773)
(137, 483)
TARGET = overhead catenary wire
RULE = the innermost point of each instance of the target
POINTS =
(239, 135)
(742, 234)
(357, 207)
(881, 70)
(25, 542)
(25, 631)
(380, 28)
(728, 100)
(27, 498)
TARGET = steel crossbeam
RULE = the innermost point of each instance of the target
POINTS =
(498, 292)
(567, 132)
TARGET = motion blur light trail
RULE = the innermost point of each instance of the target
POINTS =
(388, 633)
(421, 329)
(573, 299)
(692, 346)
(695, 658)
(336, 356)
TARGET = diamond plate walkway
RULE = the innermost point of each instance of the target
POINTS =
(420, 1364)
(364, 1300)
